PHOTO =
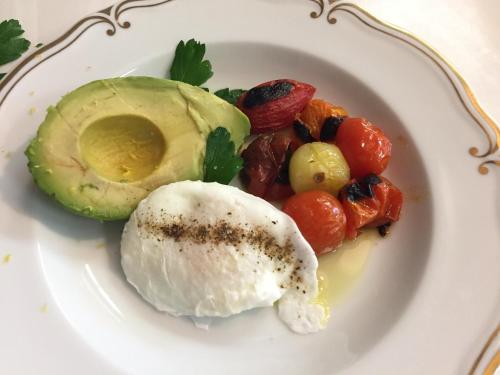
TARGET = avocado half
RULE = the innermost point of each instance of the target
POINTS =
(106, 145)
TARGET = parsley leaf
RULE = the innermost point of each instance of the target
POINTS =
(11, 45)
(230, 96)
(221, 163)
(2, 75)
(188, 65)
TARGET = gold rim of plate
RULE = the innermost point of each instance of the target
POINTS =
(490, 129)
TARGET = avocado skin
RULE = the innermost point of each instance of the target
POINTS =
(184, 114)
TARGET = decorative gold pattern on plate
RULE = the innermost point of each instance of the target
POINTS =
(321, 4)
(487, 125)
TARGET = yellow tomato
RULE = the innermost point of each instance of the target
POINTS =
(318, 166)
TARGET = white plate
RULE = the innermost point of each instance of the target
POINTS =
(429, 296)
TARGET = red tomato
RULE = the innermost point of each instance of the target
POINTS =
(320, 218)
(266, 159)
(365, 147)
(361, 209)
(274, 105)
(391, 201)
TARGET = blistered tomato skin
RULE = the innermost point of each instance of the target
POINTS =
(365, 147)
(370, 204)
(319, 112)
(274, 105)
(320, 218)
(266, 165)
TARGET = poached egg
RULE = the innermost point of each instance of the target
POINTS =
(210, 250)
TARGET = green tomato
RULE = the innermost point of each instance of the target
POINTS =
(318, 166)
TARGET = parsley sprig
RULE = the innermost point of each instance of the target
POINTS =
(230, 96)
(12, 46)
(188, 65)
(221, 162)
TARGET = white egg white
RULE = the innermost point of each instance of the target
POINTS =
(211, 250)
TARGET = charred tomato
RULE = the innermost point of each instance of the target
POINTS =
(274, 105)
(322, 118)
(370, 202)
(266, 161)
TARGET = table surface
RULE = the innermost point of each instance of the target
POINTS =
(465, 32)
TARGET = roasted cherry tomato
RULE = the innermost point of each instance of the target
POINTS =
(266, 161)
(319, 113)
(320, 218)
(275, 104)
(365, 147)
(373, 202)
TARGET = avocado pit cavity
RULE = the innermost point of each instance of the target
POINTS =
(122, 148)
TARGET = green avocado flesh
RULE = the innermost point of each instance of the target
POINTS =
(108, 144)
